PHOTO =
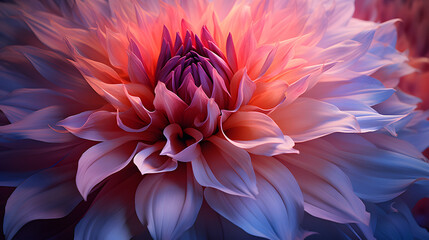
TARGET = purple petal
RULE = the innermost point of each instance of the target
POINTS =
(274, 213)
(36, 126)
(168, 203)
(112, 215)
(328, 192)
(51, 193)
(377, 175)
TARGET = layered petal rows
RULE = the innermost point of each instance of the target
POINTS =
(206, 120)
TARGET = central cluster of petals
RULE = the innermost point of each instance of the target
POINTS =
(190, 63)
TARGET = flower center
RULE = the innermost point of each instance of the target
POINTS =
(190, 63)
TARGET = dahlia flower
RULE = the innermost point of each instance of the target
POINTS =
(206, 120)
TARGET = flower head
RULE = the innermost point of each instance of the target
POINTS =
(197, 119)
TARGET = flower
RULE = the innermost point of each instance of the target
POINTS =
(197, 119)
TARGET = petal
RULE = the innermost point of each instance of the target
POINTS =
(93, 125)
(17, 164)
(223, 166)
(112, 215)
(328, 192)
(209, 125)
(168, 203)
(394, 220)
(369, 120)
(324, 229)
(60, 73)
(169, 103)
(112, 93)
(274, 213)
(37, 126)
(97, 70)
(220, 92)
(55, 32)
(257, 133)
(417, 131)
(137, 71)
(230, 53)
(19, 103)
(307, 119)
(211, 225)
(269, 95)
(377, 175)
(48, 194)
(241, 89)
(365, 89)
(390, 143)
(101, 161)
(203, 113)
(148, 160)
(181, 145)
(116, 46)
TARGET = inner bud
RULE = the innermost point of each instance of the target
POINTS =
(190, 63)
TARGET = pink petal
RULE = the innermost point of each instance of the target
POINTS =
(248, 42)
(143, 93)
(97, 70)
(261, 59)
(180, 147)
(142, 103)
(148, 160)
(36, 126)
(274, 213)
(93, 125)
(117, 46)
(231, 54)
(168, 203)
(307, 119)
(197, 110)
(203, 113)
(112, 93)
(137, 71)
(101, 161)
(223, 166)
(257, 133)
(269, 95)
(51, 30)
(169, 103)
(241, 89)
(220, 92)
(129, 121)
